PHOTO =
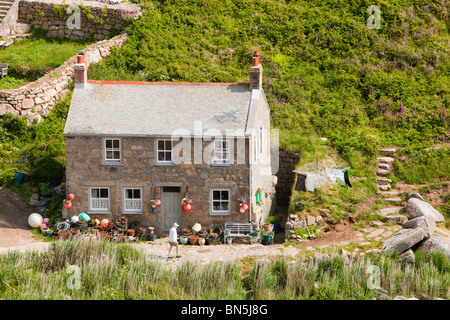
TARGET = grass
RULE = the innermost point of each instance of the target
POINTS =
(100, 270)
(32, 57)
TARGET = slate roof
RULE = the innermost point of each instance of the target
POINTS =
(114, 108)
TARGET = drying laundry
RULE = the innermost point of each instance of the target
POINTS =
(310, 181)
(301, 182)
(334, 174)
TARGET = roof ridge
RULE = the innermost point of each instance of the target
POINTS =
(168, 83)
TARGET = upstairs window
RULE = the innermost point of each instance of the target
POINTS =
(164, 151)
(113, 152)
(221, 152)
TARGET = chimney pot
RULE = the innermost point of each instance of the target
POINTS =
(256, 72)
(256, 57)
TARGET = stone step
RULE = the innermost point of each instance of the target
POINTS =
(387, 151)
(385, 188)
(385, 159)
(400, 219)
(393, 200)
(391, 210)
(382, 173)
(383, 181)
(384, 166)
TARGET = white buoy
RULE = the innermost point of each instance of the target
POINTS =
(74, 219)
(35, 220)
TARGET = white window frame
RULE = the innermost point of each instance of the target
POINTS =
(221, 150)
(100, 199)
(220, 212)
(139, 201)
(164, 150)
(112, 149)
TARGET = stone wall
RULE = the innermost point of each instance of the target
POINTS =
(85, 168)
(97, 20)
(286, 178)
(38, 98)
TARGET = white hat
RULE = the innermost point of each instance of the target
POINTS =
(176, 225)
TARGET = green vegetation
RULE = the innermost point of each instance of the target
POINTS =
(326, 73)
(38, 150)
(31, 58)
(109, 271)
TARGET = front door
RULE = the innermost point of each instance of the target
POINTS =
(170, 207)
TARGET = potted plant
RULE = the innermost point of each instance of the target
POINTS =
(275, 220)
(152, 234)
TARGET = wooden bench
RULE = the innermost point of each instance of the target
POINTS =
(3, 69)
(238, 230)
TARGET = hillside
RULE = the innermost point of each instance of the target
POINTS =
(326, 73)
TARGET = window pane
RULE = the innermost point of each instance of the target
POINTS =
(168, 156)
(108, 144)
(160, 144)
(137, 193)
(224, 195)
(216, 195)
(109, 154)
(116, 144)
(160, 156)
(104, 193)
(168, 145)
(116, 155)
(94, 193)
(216, 205)
(129, 193)
(224, 206)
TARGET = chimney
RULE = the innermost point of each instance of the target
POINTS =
(256, 72)
(80, 69)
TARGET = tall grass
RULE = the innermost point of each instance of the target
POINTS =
(109, 271)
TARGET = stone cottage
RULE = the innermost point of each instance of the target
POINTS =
(130, 143)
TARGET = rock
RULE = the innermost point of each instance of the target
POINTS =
(382, 173)
(298, 224)
(436, 242)
(393, 200)
(400, 219)
(320, 256)
(387, 151)
(288, 225)
(310, 221)
(390, 210)
(416, 208)
(33, 200)
(384, 188)
(384, 166)
(413, 195)
(383, 181)
(385, 159)
(427, 223)
(408, 257)
(403, 240)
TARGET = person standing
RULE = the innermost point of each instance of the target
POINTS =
(173, 241)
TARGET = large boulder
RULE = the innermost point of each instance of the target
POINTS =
(403, 240)
(417, 208)
(436, 242)
(425, 222)
(413, 195)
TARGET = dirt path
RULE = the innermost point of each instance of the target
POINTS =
(15, 232)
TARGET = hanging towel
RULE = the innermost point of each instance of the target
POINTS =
(347, 181)
(334, 174)
(310, 181)
(300, 186)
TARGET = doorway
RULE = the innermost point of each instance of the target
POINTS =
(170, 207)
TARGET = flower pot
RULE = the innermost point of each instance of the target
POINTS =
(208, 241)
(193, 239)
(95, 231)
(230, 241)
(276, 228)
(62, 234)
(131, 232)
(201, 241)
(55, 235)
(184, 239)
(103, 234)
(123, 219)
(267, 227)
(186, 231)
(74, 231)
(152, 237)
